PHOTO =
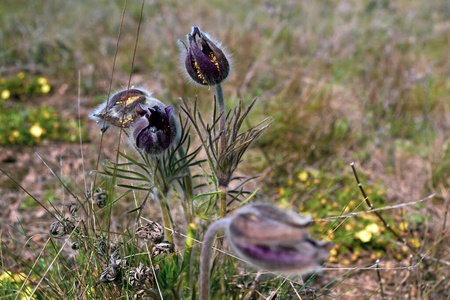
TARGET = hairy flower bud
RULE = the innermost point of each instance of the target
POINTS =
(155, 129)
(204, 59)
(120, 110)
(275, 239)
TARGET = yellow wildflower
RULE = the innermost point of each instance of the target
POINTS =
(15, 133)
(284, 204)
(398, 256)
(333, 252)
(281, 191)
(21, 75)
(36, 130)
(45, 114)
(42, 80)
(27, 290)
(415, 242)
(8, 276)
(373, 228)
(364, 235)
(5, 94)
(45, 88)
(403, 226)
(303, 176)
(323, 201)
(346, 262)
(333, 259)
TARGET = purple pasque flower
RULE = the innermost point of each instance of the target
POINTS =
(205, 60)
(120, 109)
(155, 129)
(267, 237)
(276, 240)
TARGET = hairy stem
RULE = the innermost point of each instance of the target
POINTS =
(222, 128)
(205, 257)
(222, 123)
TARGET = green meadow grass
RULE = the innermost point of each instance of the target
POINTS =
(363, 81)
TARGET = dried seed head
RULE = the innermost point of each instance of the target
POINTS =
(101, 247)
(163, 248)
(99, 197)
(116, 259)
(75, 245)
(112, 273)
(73, 210)
(151, 231)
(138, 277)
(59, 230)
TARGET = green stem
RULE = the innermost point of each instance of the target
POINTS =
(187, 194)
(223, 200)
(166, 218)
(205, 257)
(188, 256)
(188, 189)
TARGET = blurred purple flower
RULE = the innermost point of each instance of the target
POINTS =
(267, 237)
(275, 239)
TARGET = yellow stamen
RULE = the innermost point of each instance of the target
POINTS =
(198, 73)
(214, 60)
(128, 100)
